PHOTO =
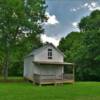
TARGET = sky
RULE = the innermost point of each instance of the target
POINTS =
(64, 16)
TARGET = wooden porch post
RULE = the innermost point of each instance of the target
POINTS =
(73, 73)
(40, 76)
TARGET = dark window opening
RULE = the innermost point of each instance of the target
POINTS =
(49, 53)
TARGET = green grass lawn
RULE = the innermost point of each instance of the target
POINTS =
(27, 91)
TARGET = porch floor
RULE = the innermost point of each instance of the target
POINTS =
(40, 79)
(56, 82)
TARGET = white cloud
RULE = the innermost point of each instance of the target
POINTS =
(85, 5)
(75, 24)
(93, 4)
(90, 6)
(52, 40)
(52, 20)
(93, 8)
(73, 10)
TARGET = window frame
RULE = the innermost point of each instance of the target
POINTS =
(50, 53)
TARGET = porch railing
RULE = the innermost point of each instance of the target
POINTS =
(52, 78)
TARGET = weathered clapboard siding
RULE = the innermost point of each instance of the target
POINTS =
(43, 55)
(28, 67)
(51, 70)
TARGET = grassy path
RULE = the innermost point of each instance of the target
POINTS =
(26, 91)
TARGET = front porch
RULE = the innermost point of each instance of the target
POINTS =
(55, 73)
(53, 79)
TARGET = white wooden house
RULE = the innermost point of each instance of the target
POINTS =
(46, 65)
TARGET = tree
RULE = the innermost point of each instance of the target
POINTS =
(20, 25)
(83, 48)
(91, 22)
(70, 44)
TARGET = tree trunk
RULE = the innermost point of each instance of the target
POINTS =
(5, 68)
(6, 59)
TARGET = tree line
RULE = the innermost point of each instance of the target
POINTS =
(83, 48)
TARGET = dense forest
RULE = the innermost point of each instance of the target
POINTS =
(83, 48)
(20, 29)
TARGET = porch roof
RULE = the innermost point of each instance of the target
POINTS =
(52, 63)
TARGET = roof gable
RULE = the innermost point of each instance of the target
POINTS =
(36, 51)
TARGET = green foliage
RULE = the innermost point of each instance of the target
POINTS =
(83, 48)
(20, 27)
(91, 22)
(70, 44)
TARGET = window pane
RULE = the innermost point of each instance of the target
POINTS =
(49, 49)
(49, 53)
(49, 57)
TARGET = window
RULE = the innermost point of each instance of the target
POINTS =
(49, 53)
